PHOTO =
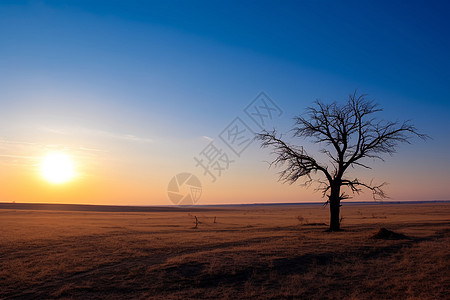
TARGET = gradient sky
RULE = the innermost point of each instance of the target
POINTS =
(133, 91)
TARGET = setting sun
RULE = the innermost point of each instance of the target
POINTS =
(57, 168)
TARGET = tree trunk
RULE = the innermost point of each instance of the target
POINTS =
(335, 206)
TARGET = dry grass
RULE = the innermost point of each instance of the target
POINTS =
(253, 253)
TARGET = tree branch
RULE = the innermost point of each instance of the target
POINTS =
(298, 162)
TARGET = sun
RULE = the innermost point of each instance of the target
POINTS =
(57, 168)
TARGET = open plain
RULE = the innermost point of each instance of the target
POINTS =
(250, 252)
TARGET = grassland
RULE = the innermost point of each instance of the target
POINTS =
(259, 252)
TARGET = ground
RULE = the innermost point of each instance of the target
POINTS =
(256, 252)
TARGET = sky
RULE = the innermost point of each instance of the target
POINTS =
(134, 91)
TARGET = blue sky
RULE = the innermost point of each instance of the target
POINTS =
(110, 74)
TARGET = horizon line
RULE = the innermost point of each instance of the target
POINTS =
(167, 208)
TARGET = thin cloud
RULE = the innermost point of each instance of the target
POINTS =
(13, 152)
(18, 160)
(18, 156)
(11, 142)
(91, 149)
(101, 133)
(207, 138)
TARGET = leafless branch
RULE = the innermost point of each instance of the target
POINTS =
(349, 133)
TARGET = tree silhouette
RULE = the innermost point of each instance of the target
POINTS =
(348, 133)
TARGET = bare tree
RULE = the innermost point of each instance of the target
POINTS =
(349, 133)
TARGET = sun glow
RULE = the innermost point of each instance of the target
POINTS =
(57, 168)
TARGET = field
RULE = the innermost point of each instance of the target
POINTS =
(251, 252)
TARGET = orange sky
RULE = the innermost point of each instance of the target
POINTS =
(105, 178)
